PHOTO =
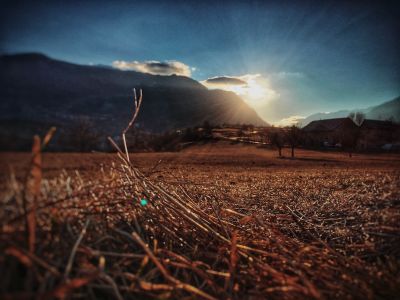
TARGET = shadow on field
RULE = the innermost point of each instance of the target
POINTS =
(311, 159)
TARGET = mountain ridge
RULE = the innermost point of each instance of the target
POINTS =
(37, 87)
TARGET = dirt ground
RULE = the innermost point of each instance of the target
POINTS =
(350, 206)
(218, 157)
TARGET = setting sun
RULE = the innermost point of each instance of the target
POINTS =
(255, 90)
(251, 87)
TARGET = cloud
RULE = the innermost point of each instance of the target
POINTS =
(155, 67)
(252, 87)
(224, 80)
(292, 120)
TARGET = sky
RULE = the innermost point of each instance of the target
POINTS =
(287, 59)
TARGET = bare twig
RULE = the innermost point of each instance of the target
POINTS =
(74, 249)
(138, 103)
(164, 271)
(26, 257)
(32, 191)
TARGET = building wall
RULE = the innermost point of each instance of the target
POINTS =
(376, 138)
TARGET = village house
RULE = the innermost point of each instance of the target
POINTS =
(327, 133)
(375, 133)
(371, 135)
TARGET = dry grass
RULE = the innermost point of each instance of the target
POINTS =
(208, 231)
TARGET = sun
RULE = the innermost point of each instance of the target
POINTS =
(241, 90)
(252, 90)
(255, 90)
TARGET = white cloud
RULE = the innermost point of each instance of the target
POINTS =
(292, 120)
(155, 67)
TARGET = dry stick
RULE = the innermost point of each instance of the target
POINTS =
(205, 227)
(32, 191)
(125, 146)
(193, 212)
(312, 236)
(32, 184)
(152, 170)
(166, 274)
(219, 218)
(178, 284)
(112, 284)
(143, 180)
(48, 137)
(74, 249)
(116, 254)
(16, 251)
(232, 263)
(190, 265)
(148, 286)
(135, 114)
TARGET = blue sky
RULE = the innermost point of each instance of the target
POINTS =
(295, 57)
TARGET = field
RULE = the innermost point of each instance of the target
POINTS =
(218, 221)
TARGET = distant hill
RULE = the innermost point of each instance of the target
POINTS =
(35, 88)
(386, 111)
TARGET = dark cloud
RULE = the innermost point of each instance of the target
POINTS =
(223, 80)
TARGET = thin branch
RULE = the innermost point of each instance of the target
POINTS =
(177, 283)
(138, 103)
(73, 252)
(113, 285)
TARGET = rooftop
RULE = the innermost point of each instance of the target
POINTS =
(328, 124)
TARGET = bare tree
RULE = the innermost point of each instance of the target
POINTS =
(277, 139)
(293, 137)
(83, 135)
(357, 117)
(207, 128)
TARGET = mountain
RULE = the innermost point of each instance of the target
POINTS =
(35, 88)
(389, 110)
(385, 111)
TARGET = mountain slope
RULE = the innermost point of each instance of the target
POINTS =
(37, 88)
(385, 111)
(389, 110)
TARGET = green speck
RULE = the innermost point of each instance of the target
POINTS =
(143, 202)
